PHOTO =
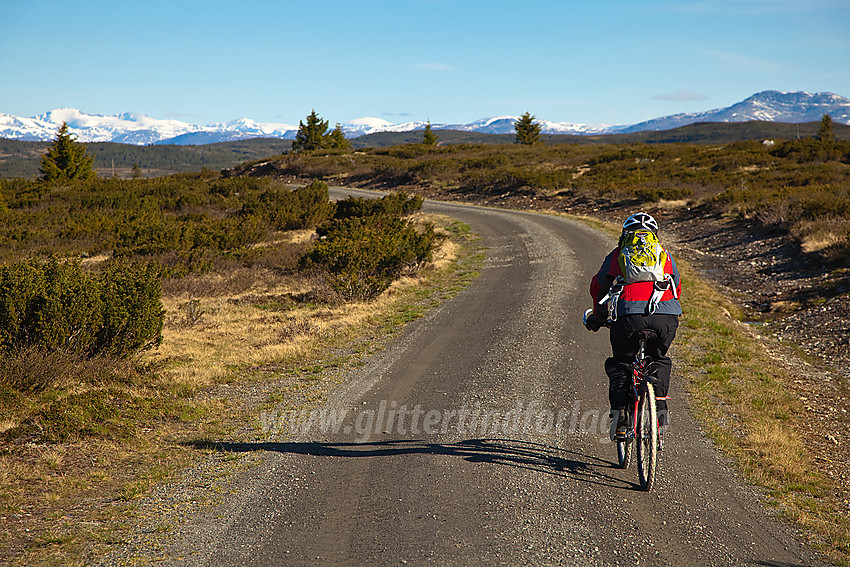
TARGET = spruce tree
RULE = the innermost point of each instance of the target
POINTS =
(66, 159)
(825, 133)
(336, 140)
(527, 130)
(429, 138)
(310, 136)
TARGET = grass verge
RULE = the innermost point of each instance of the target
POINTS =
(231, 343)
(745, 400)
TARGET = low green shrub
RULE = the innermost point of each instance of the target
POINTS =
(364, 255)
(53, 306)
(58, 306)
(290, 209)
(394, 204)
(813, 150)
(157, 234)
(132, 314)
(513, 179)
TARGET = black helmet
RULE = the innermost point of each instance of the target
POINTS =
(640, 221)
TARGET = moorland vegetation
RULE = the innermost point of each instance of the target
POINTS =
(799, 187)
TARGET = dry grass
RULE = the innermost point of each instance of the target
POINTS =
(672, 204)
(287, 237)
(823, 234)
(745, 401)
(96, 260)
(822, 240)
(237, 326)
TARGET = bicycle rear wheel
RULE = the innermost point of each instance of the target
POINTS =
(647, 441)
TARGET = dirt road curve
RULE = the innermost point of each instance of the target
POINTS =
(421, 470)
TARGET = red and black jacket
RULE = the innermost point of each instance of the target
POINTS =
(634, 297)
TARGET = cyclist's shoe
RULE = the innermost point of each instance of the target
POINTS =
(612, 424)
(662, 425)
(618, 423)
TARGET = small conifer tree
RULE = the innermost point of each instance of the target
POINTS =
(336, 140)
(527, 130)
(429, 138)
(66, 159)
(136, 172)
(825, 133)
(311, 136)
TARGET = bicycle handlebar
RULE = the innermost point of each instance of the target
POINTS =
(588, 313)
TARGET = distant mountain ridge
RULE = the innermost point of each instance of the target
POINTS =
(139, 129)
(767, 106)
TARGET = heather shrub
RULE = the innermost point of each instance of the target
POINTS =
(392, 171)
(94, 413)
(658, 192)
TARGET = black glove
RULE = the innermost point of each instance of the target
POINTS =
(594, 323)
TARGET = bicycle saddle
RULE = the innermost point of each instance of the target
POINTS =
(646, 334)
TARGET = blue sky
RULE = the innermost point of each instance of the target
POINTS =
(591, 62)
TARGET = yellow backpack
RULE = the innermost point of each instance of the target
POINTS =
(642, 258)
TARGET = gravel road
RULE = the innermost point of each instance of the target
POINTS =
(479, 437)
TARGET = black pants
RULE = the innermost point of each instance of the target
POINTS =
(625, 346)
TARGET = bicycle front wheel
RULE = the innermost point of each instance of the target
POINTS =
(647, 441)
(624, 453)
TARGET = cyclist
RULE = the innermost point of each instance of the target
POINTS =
(633, 307)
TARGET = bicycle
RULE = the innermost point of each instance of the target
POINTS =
(643, 419)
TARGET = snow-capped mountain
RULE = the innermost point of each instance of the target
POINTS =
(769, 106)
(505, 125)
(132, 128)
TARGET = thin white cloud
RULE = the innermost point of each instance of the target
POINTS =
(745, 61)
(681, 95)
(433, 67)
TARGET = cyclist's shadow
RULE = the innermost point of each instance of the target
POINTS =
(506, 452)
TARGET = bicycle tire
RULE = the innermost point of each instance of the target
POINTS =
(624, 453)
(647, 441)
